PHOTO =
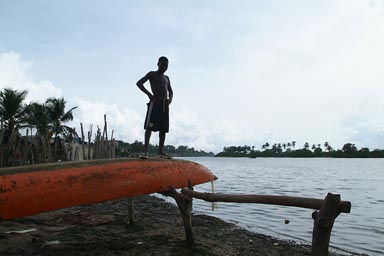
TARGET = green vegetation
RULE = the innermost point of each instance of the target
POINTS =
(45, 120)
(124, 149)
(349, 150)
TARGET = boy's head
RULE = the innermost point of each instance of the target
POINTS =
(162, 64)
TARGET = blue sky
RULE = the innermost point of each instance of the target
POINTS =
(243, 72)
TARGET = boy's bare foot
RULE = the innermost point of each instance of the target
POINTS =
(163, 155)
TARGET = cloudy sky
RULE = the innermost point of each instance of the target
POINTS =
(243, 72)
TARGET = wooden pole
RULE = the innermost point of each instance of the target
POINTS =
(82, 141)
(26, 147)
(111, 147)
(185, 205)
(89, 142)
(98, 143)
(105, 142)
(18, 149)
(131, 211)
(302, 202)
(323, 223)
(32, 143)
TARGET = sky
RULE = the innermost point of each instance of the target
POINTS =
(242, 72)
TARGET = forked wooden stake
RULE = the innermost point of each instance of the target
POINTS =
(185, 205)
(323, 223)
(131, 211)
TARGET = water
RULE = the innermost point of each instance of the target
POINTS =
(360, 181)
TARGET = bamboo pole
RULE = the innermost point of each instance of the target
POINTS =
(12, 146)
(105, 132)
(32, 155)
(112, 147)
(89, 141)
(82, 140)
(303, 202)
(48, 160)
(26, 147)
(105, 136)
(18, 152)
(97, 143)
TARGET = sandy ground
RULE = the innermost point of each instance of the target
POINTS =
(103, 229)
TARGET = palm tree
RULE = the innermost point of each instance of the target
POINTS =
(37, 118)
(327, 146)
(306, 146)
(12, 109)
(57, 117)
(294, 145)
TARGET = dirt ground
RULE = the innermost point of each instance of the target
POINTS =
(103, 229)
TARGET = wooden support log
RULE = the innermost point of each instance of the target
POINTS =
(310, 203)
(131, 211)
(323, 223)
(185, 205)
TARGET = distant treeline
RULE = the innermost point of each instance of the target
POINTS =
(124, 149)
(349, 150)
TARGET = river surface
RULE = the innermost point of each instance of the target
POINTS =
(360, 181)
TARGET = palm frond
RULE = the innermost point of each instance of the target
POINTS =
(68, 116)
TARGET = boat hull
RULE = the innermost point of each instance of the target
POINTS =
(29, 190)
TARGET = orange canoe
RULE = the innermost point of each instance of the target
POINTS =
(28, 190)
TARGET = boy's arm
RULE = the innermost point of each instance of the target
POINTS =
(141, 86)
(170, 92)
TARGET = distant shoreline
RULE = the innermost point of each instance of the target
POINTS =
(349, 150)
(349, 157)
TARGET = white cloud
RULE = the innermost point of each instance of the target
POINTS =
(365, 123)
(299, 81)
(185, 127)
(125, 123)
(15, 74)
(278, 72)
(302, 77)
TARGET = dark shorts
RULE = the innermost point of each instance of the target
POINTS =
(157, 118)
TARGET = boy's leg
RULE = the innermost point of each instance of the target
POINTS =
(161, 142)
(147, 137)
(161, 146)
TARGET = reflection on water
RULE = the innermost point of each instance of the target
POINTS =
(360, 181)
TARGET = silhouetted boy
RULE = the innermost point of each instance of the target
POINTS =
(157, 118)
